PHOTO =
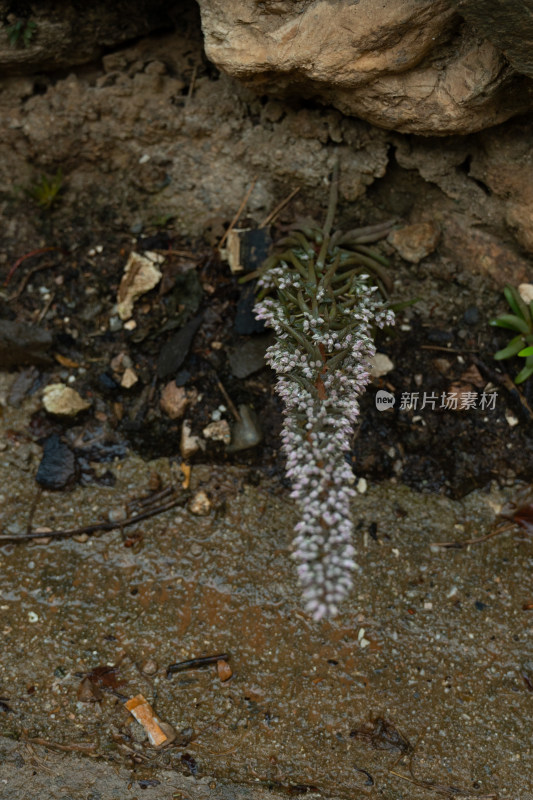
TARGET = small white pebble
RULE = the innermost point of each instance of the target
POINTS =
(144, 158)
(32, 616)
(99, 248)
(453, 591)
(396, 552)
(361, 634)
(362, 485)
(428, 606)
(511, 419)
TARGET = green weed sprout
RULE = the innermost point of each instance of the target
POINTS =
(21, 32)
(46, 190)
(521, 321)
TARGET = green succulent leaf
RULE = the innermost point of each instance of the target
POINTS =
(512, 296)
(405, 304)
(512, 322)
(520, 308)
(512, 349)
(527, 351)
(526, 372)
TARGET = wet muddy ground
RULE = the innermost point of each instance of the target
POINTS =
(422, 685)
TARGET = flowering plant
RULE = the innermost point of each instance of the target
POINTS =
(321, 295)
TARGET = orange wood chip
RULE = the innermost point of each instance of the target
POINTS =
(141, 709)
(64, 361)
(185, 468)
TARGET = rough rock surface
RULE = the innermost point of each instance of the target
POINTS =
(408, 66)
(504, 163)
(65, 34)
(507, 24)
(486, 203)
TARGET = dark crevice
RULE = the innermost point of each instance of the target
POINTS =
(465, 168)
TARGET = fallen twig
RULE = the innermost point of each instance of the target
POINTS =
(477, 540)
(79, 746)
(238, 214)
(451, 791)
(195, 663)
(229, 401)
(181, 253)
(507, 383)
(273, 214)
(23, 258)
(103, 526)
(223, 752)
(27, 276)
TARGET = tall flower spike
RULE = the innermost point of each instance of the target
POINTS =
(321, 295)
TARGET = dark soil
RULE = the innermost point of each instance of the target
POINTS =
(73, 289)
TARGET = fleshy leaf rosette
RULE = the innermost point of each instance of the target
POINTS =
(322, 295)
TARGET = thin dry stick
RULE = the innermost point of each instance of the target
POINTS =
(183, 253)
(239, 212)
(224, 752)
(445, 349)
(25, 280)
(191, 85)
(460, 545)
(104, 526)
(19, 261)
(440, 788)
(273, 214)
(45, 309)
(79, 746)
(229, 401)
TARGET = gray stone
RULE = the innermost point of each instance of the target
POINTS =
(23, 344)
(250, 357)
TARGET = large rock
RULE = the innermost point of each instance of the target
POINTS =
(407, 65)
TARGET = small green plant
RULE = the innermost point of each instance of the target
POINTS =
(45, 190)
(21, 32)
(520, 321)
